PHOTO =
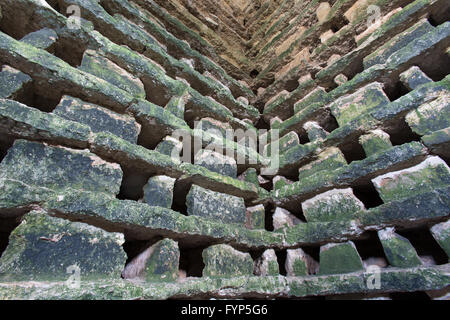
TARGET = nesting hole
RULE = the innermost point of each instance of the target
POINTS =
(191, 261)
(425, 245)
(133, 182)
(353, 151)
(368, 195)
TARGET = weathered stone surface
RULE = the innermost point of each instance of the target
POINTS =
(177, 106)
(98, 118)
(329, 160)
(426, 176)
(333, 205)
(315, 131)
(375, 141)
(214, 205)
(103, 68)
(281, 145)
(441, 232)
(58, 168)
(170, 146)
(45, 248)
(413, 78)
(349, 107)
(159, 191)
(381, 55)
(298, 263)
(224, 261)
(42, 39)
(159, 262)
(267, 264)
(256, 217)
(279, 182)
(216, 162)
(430, 117)
(213, 127)
(339, 258)
(398, 250)
(284, 219)
(249, 175)
(12, 82)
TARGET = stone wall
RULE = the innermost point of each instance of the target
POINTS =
(119, 178)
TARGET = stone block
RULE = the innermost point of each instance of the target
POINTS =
(158, 191)
(105, 69)
(398, 250)
(375, 141)
(157, 263)
(414, 78)
(333, 205)
(214, 205)
(267, 264)
(224, 261)
(256, 217)
(57, 168)
(13, 82)
(298, 263)
(330, 159)
(431, 116)
(424, 177)
(98, 118)
(336, 258)
(216, 162)
(43, 39)
(441, 232)
(44, 248)
(351, 106)
(284, 219)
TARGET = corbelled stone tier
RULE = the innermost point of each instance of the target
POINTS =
(156, 149)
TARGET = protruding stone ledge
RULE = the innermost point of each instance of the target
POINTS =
(391, 280)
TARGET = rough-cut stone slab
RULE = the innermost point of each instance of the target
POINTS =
(158, 262)
(283, 219)
(159, 191)
(103, 68)
(282, 145)
(267, 264)
(391, 279)
(279, 182)
(216, 162)
(431, 116)
(12, 82)
(44, 248)
(441, 232)
(98, 118)
(398, 250)
(329, 160)
(298, 263)
(351, 106)
(426, 176)
(375, 141)
(249, 175)
(255, 217)
(224, 261)
(58, 168)
(413, 78)
(213, 205)
(339, 258)
(170, 147)
(177, 105)
(43, 39)
(315, 131)
(333, 205)
(213, 127)
(398, 42)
